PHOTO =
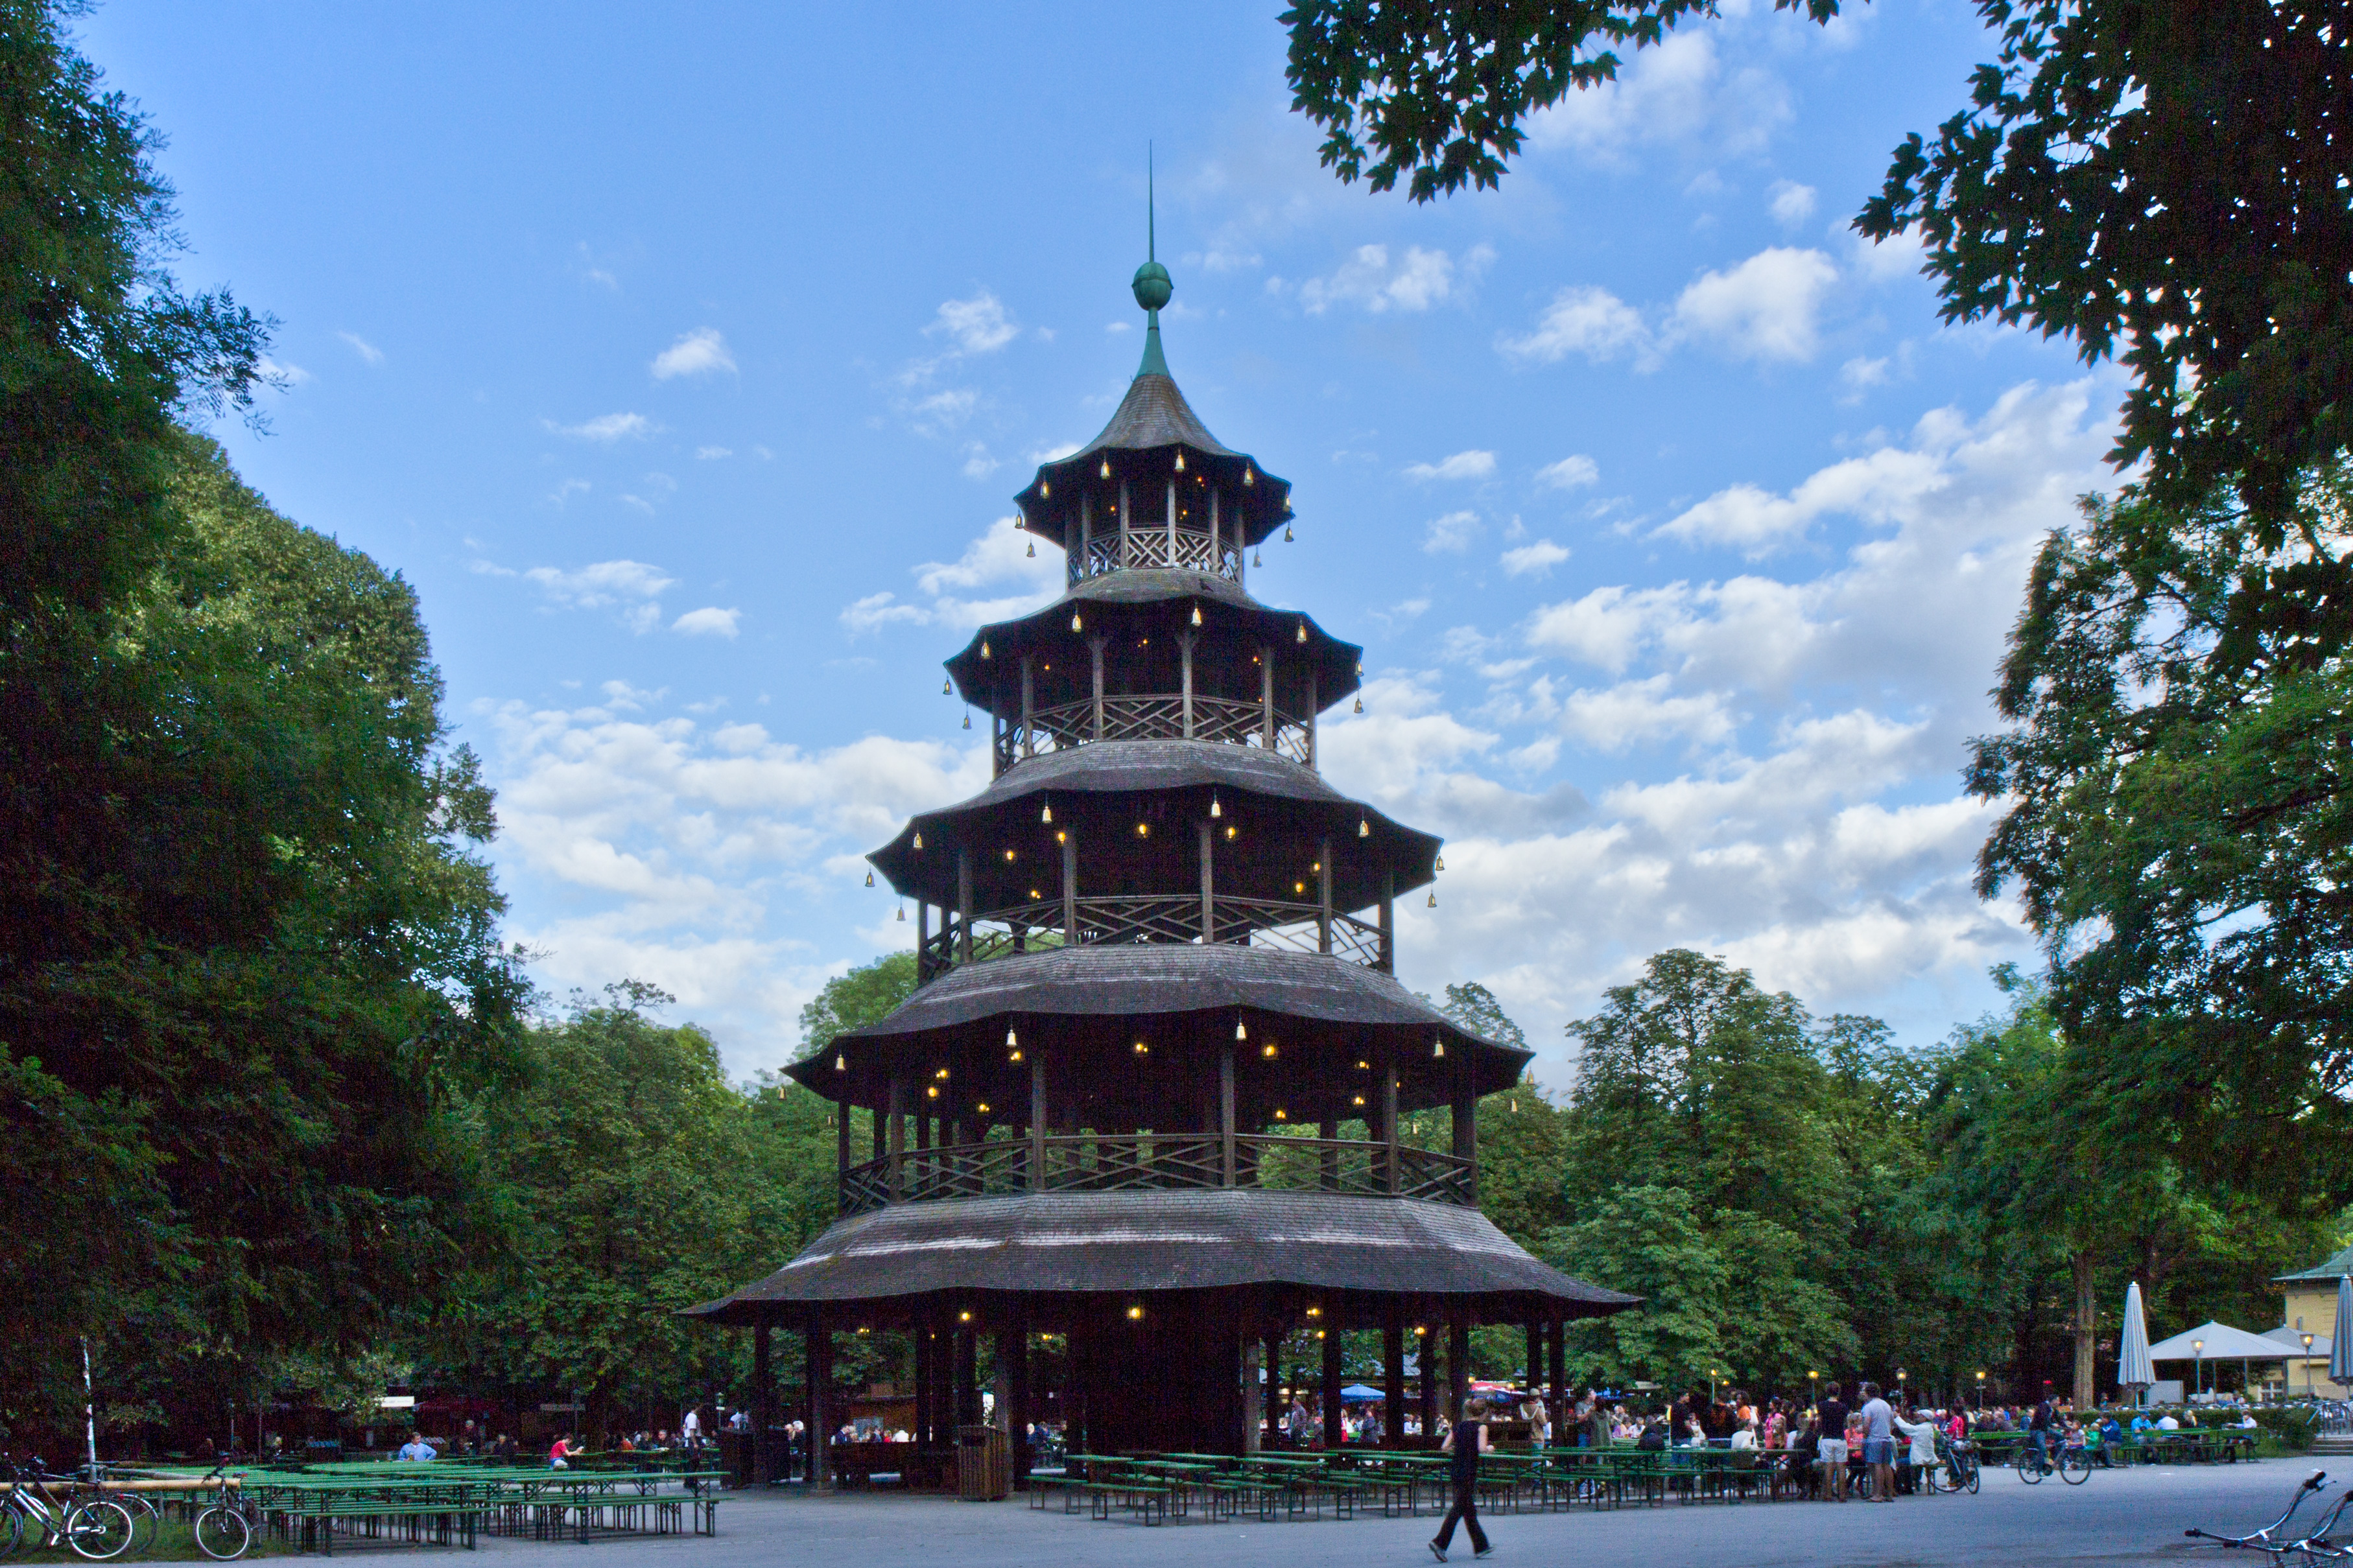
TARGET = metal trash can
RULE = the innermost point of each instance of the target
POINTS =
(984, 1465)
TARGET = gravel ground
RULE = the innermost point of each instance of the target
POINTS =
(2117, 1517)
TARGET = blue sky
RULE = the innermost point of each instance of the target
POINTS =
(686, 358)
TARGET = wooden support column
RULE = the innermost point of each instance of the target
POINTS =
(820, 1398)
(1310, 716)
(1172, 522)
(1226, 1110)
(1458, 1362)
(1388, 923)
(1069, 837)
(964, 903)
(897, 1119)
(764, 1389)
(1086, 534)
(1095, 648)
(1274, 1377)
(1253, 1395)
(1392, 1373)
(1556, 1402)
(842, 1137)
(1335, 1430)
(1388, 1119)
(1036, 1117)
(1536, 1363)
(968, 1375)
(1328, 1163)
(1217, 555)
(1122, 524)
(1241, 548)
(881, 1141)
(1207, 837)
(1184, 659)
(1323, 899)
(1266, 696)
(1425, 1353)
(1013, 1356)
(1028, 702)
(923, 941)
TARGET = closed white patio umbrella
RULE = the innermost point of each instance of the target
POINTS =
(2135, 1369)
(2340, 1351)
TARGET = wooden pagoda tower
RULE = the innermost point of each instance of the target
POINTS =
(1147, 1094)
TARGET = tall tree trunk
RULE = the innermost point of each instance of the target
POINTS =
(2087, 1309)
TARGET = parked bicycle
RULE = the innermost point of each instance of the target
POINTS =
(1959, 1468)
(97, 1527)
(2273, 1537)
(223, 1530)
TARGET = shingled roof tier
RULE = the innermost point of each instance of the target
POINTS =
(1152, 425)
(1271, 819)
(1139, 612)
(1149, 1241)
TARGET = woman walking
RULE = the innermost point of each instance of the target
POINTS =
(1465, 1441)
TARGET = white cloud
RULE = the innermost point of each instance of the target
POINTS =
(283, 373)
(1454, 532)
(680, 848)
(1791, 202)
(1416, 282)
(1638, 713)
(710, 453)
(1764, 309)
(1570, 473)
(1608, 625)
(1461, 465)
(954, 591)
(1858, 373)
(1585, 320)
(1676, 94)
(708, 622)
(606, 427)
(1886, 488)
(975, 326)
(702, 352)
(603, 585)
(977, 463)
(1539, 558)
(369, 354)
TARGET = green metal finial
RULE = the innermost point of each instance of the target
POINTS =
(1152, 284)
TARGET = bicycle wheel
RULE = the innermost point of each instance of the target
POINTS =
(12, 1528)
(2030, 1468)
(1973, 1469)
(222, 1534)
(2076, 1467)
(99, 1528)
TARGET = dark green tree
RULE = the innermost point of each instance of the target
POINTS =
(2166, 182)
(867, 994)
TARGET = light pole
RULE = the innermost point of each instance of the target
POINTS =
(1981, 1394)
(2198, 1347)
(2307, 1365)
(1900, 1376)
(1813, 1384)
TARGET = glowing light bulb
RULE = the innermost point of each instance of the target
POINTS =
(1242, 1030)
(919, 841)
(947, 688)
(1180, 462)
(984, 647)
(1303, 637)
(1075, 623)
(1106, 467)
(1363, 828)
(870, 878)
(1215, 810)
(1046, 813)
(1197, 615)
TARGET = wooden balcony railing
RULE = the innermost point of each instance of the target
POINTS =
(1183, 549)
(1153, 917)
(1109, 1163)
(1155, 716)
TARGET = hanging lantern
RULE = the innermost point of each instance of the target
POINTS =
(1279, 1116)
(1267, 1050)
(1197, 615)
(1046, 489)
(1360, 705)
(1433, 899)
(984, 649)
(903, 914)
(838, 1064)
(1008, 856)
(1180, 459)
(1303, 631)
(1033, 549)
(1106, 467)
(1257, 559)
(1246, 479)
(1215, 809)
(1047, 815)
(1286, 533)
(1144, 830)
(919, 841)
(947, 688)
(1438, 1048)
(1441, 862)
(870, 878)
(1075, 623)
(1229, 830)
(1363, 828)
(1242, 1030)
(1142, 1049)
(967, 718)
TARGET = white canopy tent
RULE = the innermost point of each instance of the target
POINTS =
(2211, 1341)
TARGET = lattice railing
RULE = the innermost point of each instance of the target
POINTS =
(1125, 1161)
(1276, 923)
(1152, 547)
(1149, 716)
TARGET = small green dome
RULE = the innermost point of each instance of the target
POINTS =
(1152, 286)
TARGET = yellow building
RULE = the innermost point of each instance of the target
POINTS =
(2308, 1307)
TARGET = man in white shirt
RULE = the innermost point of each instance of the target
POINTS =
(417, 1450)
(689, 1431)
(2166, 1422)
(1879, 1443)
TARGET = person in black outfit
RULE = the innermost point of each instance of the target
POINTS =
(1465, 1441)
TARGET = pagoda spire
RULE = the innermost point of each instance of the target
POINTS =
(1152, 284)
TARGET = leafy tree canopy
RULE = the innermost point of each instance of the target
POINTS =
(2163, 181)
(867, 994)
